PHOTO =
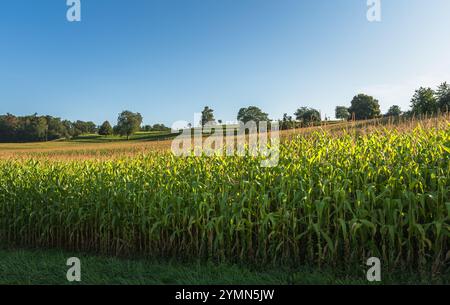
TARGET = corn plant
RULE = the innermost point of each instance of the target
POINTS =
(331, 200)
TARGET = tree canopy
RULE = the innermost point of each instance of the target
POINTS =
(207, 116)
(252, 113)
(156, 127)
(307, 115)
(85, 127)
(364, 107)
(342, 113)
(33, 128)
(105, 129)
(424, 101)
(128, 123)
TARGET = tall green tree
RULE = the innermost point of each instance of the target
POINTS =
(207, 116)
(443, 97)
(364, 107)
(252, 113)
(342, 113)
(128, 123)
(105, 129)
(424, 101)
(307, 115)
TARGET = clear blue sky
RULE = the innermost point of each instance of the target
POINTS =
(168, 58)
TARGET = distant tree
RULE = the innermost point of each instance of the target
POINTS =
(443, 97)
(91, 127)
(146, 128)
(85, 127)
(207, 116)
(307, 115)
(287, 122)
(70, 130)
(9, 125)
(342, 113)
(32, 128)
(79, 127)
(252, 113)
(160, 127)
(128, 123)
(155, 127)
(424, 101)
(219, 121)
(364, 107)
(56, 129)
(394, 111)
(35, 128)
(105, 129)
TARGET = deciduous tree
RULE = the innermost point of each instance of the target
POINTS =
(364, 107)
(128, 123)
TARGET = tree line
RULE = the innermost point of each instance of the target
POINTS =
(40, 128)
(424, 101)
(35, 128)
(362, 107)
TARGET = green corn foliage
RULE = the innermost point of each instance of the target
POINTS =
(331, 200)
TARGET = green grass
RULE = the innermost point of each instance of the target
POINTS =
(139, 136)
(39, 267)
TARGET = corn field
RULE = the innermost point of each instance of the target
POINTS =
(332, 200)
